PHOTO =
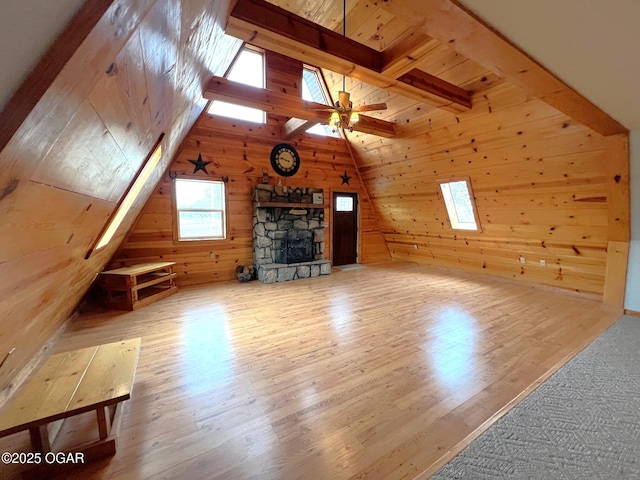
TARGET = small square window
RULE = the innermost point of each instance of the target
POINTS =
(200, 206)
(458, 199)
(344, 204)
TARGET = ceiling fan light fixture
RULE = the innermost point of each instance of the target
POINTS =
(355, 117)
(344, 99)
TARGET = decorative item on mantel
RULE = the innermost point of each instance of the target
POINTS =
(297, 211)
(245, 273)
(301, 197)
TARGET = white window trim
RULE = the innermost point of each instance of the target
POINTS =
(178, 210)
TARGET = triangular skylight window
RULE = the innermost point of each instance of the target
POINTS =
(312, 90)
(248, 68)
(460, 203)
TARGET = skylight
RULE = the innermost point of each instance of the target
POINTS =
(312, 90)
(129, 198)
(460, 204)
(248, 68)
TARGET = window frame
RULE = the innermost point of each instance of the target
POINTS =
(176, 216)
(472, 200)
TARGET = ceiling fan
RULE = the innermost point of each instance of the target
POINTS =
(344, 114)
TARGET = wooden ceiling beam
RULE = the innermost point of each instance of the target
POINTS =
(277, 103)
(294, 127)
(421, 79)
(276, 19)
(449, 22)
(404, 56)
(271, 101)
(272, 28)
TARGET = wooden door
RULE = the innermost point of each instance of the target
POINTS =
(345, 228)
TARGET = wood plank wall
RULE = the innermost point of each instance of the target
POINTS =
(540, 180)
(139, 73)
(240, 151)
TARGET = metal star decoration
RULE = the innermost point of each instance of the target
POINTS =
(345, 178)
(200, 164)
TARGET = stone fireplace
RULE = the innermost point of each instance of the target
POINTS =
(288, 233)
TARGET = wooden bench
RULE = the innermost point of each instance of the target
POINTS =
(96, 378)
(130, 288)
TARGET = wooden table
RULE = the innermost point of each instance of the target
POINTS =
(130, 288)
(96, 378)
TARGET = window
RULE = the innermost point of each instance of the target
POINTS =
(200, 206)
(344, 204)
(248, 68)
(129, 198)
(313, 90)
(461, 207)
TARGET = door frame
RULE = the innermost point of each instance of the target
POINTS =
(355, 191)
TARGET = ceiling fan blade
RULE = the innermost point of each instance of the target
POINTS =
(328, 108)
(369, 108)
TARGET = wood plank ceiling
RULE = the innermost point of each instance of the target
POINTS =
(425, 48)
(412, 64)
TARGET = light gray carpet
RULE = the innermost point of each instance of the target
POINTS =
(582, 423)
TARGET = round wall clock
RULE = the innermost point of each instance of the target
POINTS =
(285, 159)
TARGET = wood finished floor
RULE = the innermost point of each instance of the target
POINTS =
(378, 372)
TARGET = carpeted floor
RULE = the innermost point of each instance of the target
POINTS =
(582, 423)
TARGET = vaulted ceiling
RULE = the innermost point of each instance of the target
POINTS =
(591, 49)
(412, 55)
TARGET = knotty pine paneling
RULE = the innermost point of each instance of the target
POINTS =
(540, 181)
(138, 73)
(240, 151)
